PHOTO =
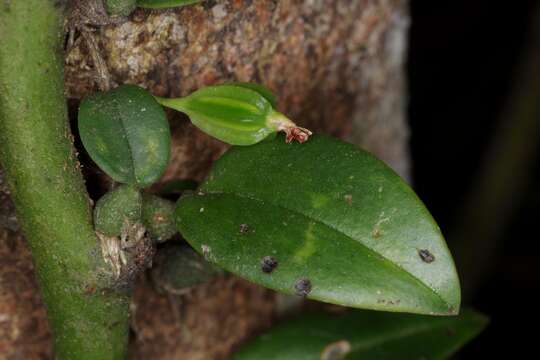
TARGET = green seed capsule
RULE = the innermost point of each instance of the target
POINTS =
(116, 208)
(158, 217)
(238, 114)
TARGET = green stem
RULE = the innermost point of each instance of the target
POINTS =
(88, 321)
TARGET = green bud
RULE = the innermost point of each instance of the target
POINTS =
(238, 114)
(117, 208)
(158, 217)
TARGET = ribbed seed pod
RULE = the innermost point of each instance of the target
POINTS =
(238, 114)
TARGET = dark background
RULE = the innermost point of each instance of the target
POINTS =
(474, 152)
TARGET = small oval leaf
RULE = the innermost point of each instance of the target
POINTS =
(342, 226)
(365, 335)
(126, 133)
(162, 4)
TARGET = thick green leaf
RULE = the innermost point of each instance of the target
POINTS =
(233, 114)
(161, 4)
(360, 335)
(126, 133)
(328, 212)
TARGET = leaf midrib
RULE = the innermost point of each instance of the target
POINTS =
(129, 146)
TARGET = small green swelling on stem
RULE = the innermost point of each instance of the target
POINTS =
(158, 217)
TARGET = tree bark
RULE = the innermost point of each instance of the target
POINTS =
(336, 68)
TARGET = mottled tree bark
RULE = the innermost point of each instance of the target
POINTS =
(336, 67)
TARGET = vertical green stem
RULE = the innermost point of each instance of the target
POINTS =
(88, 321)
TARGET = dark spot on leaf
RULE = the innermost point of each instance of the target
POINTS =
(244, 228)
(268, 264)
(303, 287)
(426, 256)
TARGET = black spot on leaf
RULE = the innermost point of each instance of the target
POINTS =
(244, 228)
(426, 256)
(268, 264)
(303, 287)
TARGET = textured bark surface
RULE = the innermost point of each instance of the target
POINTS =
(204, 324)
(336, 67)
(24, 331)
